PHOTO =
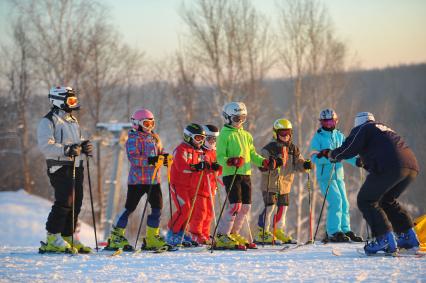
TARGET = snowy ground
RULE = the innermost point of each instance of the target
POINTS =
(19, 262)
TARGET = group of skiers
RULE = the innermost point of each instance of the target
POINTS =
(205, 154)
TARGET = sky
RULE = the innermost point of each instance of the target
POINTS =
(379, 33)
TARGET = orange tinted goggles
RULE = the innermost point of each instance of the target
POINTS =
(72, 101)
(148, 123)
(199, 138)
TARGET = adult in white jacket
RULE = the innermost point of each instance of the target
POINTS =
(60, 141)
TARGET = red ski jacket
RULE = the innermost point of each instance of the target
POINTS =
(209, 157)
(182, 174)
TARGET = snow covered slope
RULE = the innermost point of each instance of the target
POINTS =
(314, 263)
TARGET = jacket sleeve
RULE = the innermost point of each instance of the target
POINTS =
(314, 149)
(46, 139)
(352, 144)
(256, 158)
(136, 158)
(221, 150)
(181, 161)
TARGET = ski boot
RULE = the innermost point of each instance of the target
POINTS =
(82, 249)
(175, 239)
(243, 241)
(354, 237)
(384, 243)
(408, 240)
(117, 240)
(153, 240)
(56, 244)
(267, 240)
(226, 242)
(285, 239)
(338, 237)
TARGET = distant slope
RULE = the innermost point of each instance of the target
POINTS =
(23, 217)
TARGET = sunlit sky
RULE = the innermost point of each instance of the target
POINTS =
(379, 33)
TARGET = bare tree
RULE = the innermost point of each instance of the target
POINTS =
(312, 57)
(229, 43)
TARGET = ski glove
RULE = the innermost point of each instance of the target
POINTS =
(235, 161)
(87, 147)
(307, 165)
(323, 153)
(279, 162)
(215, 166)
(166, 161)
(269, 164)
(72, 150)
(152, 160)
(200, 166)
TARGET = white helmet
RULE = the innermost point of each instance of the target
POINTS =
(212, 132)
(233, 109)
(327, 114)
(64, 98)
(363, 117)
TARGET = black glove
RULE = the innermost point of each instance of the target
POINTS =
(201, 166)
(323, 153)
(166, 161)
(215, 166)
(152, 160)
(87, 147)
(279, 162)
(307, 165)
(72, 150)
(359, 163)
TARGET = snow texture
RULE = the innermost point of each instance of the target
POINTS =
(22, 219)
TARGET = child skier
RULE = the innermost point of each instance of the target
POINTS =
(235, 152)
(392, 166)
(143, 148)
(202, 216)
(325, 139)
(289, 160)
(187, 169)
(59, 139)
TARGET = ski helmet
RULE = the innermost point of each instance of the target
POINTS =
(212, 132)
(328, 119)
(143, 118)
(282, 125)
(194, 135)
(64, 97)
(363, 117)
(235, 113)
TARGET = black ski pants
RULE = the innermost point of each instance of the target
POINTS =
(60, 217)
(378, 201)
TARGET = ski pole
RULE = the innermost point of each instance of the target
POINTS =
(266, 208)
(223, 207)
(169, 167)
(211, 198)
(73, 203)
(325, 197)
(91, 201)
(308, 173)
(361, 173)
(154, 175)
(192, 207)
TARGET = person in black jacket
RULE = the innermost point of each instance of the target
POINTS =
(392, 166)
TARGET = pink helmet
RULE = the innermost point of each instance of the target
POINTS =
(139, 116)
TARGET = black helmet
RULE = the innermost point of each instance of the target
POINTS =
(194, 134)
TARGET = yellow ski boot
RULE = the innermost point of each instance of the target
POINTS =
(226, 242)
(117, 240)
(56, 244)
(153, 240)
(286, 239)
(243, 241)
(82, 249)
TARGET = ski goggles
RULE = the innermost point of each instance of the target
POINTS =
(71, 101)
(211, 139)
(239, 118)
(328, 123)
(148, 123)
(199, 138)
(284, 132)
